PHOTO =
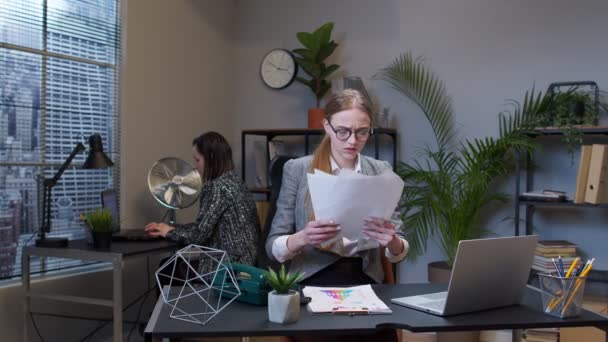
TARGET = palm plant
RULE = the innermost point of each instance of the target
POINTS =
(445, 193)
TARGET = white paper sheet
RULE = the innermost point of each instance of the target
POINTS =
(356, 299)
(350, 198)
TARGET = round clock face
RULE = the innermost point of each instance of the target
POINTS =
(278, 68)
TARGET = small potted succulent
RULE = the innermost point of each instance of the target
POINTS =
(101, 225)
(284, 300)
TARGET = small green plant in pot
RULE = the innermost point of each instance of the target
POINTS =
(318, 46)
(101, 224)
(284, 300)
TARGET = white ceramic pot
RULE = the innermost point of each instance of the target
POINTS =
(283, 308)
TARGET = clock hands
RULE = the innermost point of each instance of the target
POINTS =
(276, 67)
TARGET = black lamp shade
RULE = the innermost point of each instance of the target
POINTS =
(96, 159)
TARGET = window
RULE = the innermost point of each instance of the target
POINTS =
(59, 70)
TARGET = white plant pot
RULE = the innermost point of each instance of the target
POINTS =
(283, 308)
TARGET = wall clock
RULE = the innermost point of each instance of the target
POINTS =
(278, 68)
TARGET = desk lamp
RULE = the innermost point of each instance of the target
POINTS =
(96, 159)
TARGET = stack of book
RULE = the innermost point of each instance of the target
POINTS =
(541, 335)
(549, 250)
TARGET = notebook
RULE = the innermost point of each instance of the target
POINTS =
(109, 200)
(487, 273)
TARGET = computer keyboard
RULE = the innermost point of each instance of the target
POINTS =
(435, 296)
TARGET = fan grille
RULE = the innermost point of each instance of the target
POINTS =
(174, 183)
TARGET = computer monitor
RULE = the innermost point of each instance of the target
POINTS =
(109, 200)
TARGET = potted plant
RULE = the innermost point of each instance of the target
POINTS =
(573, 107)
(318, 46)
(283, 300)
(101, 225)
(446, 190)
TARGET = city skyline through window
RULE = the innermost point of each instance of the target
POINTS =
(58, 85)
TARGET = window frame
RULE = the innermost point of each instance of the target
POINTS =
(43, 164)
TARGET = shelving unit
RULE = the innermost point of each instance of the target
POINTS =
(530, 205)
(270, 134)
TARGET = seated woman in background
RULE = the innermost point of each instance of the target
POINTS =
(227, 218)
(297, 236)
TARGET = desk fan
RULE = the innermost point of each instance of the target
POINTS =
(175, 184)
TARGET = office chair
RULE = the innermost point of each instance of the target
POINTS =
(275, 176)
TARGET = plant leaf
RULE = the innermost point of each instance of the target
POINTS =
(307, 39)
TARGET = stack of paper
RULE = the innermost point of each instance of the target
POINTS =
(350, 198)
(356, 300)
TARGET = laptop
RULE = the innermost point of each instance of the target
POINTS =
(487, 273)
(109, 200)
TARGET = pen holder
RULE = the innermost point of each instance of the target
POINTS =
(562, 297)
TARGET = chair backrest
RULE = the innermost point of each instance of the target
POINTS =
(275, 176)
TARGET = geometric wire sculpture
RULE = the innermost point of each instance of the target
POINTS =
(204, 277)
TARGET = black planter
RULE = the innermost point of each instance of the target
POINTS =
(102, 240)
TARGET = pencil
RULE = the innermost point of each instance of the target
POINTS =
(579, 281)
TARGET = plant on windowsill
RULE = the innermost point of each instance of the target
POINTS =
(318, 46)
(284, 300)
(447, 188)
(100, 222)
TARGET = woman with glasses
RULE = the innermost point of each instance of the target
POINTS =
(296, 235)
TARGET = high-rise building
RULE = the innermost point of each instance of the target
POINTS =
(10, 211)
(42, 123)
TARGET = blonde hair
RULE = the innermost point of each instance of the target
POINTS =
(343, 100)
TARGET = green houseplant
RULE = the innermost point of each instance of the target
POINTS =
(448, 185)
(283, 301)
(101, 224)
(573, 106)
(317, 47)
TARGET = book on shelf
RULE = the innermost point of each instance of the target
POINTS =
(547, 268)
(596, 191)
(541, 335)
(583, 174)
(544, 196)
(549, 259)
(555, 246)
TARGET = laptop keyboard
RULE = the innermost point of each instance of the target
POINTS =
(435, 296)
(437, 305)
(436, 301)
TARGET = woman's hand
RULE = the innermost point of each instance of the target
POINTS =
(315, 233)
(383, 232)
(158, 229)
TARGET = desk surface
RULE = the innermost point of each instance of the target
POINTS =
(80, 248)
(240, 319)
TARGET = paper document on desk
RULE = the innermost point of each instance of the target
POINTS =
(350, 198)
(345, 300)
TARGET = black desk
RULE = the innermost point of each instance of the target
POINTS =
(79, 249)
(239, 319)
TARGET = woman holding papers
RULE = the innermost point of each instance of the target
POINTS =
(309, 243)
(227, 217)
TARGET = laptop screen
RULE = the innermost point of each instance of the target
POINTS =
(109, 200)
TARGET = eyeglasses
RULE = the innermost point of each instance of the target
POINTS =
(361, 134)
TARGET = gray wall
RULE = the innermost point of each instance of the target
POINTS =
(485, 51)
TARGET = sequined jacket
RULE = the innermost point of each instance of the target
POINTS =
(227, 220)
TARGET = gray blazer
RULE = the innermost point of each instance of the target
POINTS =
(293, 214)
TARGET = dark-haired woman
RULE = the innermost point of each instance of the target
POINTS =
(227, 219)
